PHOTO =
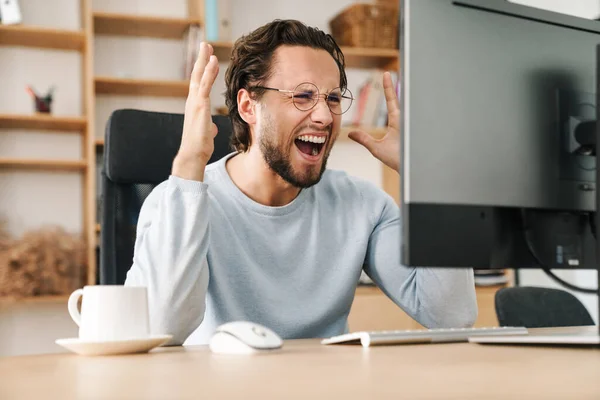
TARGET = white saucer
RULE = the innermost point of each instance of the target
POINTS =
(128, 346)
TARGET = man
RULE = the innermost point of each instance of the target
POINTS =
(267, 234)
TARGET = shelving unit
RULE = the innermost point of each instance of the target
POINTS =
(356, 57)
(43, 122)
(141, 87)
(141, 26)
(80, 41)
(39, 164)
(41, 38)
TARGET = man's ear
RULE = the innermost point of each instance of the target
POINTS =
(246, 107)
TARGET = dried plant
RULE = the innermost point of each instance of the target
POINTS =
(46, 261)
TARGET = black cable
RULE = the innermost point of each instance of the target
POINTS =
(568, 285)
(547, 270)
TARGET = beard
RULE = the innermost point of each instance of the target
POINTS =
(277, 157)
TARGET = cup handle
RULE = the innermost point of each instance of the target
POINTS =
(72, 304)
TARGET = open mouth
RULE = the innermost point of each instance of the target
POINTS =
(310, 145)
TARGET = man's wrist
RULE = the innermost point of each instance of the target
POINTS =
(190, 168)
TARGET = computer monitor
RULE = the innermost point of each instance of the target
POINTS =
(498, 149)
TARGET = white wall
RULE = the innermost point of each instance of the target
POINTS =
(579, 8)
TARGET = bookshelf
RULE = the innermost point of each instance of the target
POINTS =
(42, 38)
(140, 87)
(41, 164)
(43, 122)
(356, 57)
(141, 26)
(80, 41)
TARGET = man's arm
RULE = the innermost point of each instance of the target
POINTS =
(170, 256)
(434, 297)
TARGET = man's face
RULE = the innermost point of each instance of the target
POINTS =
(295, 143)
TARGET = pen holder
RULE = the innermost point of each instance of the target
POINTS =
(43, 104)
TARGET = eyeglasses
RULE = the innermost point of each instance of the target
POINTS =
(306, 96)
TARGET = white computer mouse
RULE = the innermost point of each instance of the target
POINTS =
(243, 337)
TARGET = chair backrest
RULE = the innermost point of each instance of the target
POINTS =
(138, 154)
(537, 307)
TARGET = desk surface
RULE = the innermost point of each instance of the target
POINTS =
(306, 369)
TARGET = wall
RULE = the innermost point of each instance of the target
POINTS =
(579, 8)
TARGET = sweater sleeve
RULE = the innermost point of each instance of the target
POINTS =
(170, 256)
(435, 297)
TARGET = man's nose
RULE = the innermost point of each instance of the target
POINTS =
(321, 114)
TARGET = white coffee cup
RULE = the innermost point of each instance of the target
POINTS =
(111, 312)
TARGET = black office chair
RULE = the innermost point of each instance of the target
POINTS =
(537, 307)
(138, 154)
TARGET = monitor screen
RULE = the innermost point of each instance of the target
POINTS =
(498, 117)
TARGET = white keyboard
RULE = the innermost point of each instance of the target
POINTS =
(376, 338)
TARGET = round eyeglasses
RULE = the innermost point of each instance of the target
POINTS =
(306, 96)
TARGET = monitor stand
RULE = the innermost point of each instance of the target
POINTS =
(578, 336)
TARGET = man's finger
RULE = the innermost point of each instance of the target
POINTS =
(208, 78)
(363, 138)
(391, 100)
(201, 62)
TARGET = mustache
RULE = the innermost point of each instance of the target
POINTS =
(314, 128)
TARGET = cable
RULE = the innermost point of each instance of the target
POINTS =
(567, 284)
(547, 270)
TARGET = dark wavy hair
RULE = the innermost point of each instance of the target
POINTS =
(251, 62)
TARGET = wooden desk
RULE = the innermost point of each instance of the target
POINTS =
(304, 369)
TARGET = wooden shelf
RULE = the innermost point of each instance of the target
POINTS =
(30, 36)
(141, 87)
(43, 122)
(222, 50)
(99, 142)
(56, 165)
(141, 26)
(356, 57)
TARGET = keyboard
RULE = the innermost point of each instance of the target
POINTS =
(444, 335)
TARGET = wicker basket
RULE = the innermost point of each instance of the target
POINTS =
(366, 25)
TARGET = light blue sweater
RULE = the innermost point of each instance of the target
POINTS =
(208, 254)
